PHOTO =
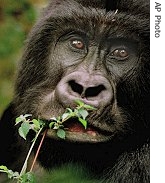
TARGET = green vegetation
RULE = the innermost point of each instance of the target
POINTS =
(68, 174)
(38, 126)
(16, 20)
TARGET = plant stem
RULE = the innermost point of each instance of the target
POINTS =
(28, 155)
(38, 150)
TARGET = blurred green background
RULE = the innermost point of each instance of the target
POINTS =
(16, 20)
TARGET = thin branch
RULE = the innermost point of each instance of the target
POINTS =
(23, 170)
(38, 150)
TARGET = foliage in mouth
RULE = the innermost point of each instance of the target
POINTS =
(76, 132)
(72, 125)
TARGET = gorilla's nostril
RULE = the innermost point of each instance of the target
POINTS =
(76, 87)
(88, 92)
(94, 91)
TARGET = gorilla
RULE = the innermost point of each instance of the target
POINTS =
(96, 51)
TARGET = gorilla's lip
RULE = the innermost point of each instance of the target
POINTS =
(77, 133)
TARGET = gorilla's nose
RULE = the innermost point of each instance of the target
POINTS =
(85, 91)
(94, 89)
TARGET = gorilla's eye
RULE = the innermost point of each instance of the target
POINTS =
(78, 44)
(120, 53)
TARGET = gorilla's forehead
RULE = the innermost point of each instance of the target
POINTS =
(93, 18)
(95, 22)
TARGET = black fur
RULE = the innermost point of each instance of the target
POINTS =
(125, 157)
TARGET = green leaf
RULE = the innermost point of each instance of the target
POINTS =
(3, 168)
(83, 122)
(42, 123)
(76, 113)
(79, 102)
(59, 119)
(18, 120)
(89, 107)
(69, 110)
(66, 116)
(61, 133)
(24, 129)
(22, 118)
(83, 113)
(51, 125)
(28, 178)
(10, 174)
(36, 123)
(53, 119)
(15, 174)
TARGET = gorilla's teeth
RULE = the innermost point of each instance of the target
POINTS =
(91, 133)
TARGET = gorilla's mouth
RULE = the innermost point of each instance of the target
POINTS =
(77, 133)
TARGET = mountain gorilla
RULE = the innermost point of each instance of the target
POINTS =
(96, 51)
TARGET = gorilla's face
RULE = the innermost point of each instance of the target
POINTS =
(88, 55)
(92, 69)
